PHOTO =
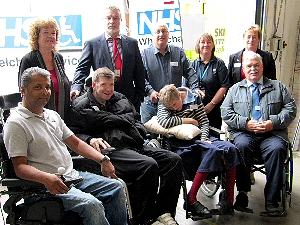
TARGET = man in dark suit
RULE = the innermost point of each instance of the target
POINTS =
(252, 37)
(99, 52)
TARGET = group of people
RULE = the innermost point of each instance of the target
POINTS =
(128, 89)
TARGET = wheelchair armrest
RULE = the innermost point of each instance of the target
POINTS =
(17, 182)
(216, 131)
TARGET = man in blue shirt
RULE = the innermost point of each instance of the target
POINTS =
(165, 64)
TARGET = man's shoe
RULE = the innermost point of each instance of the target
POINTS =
(241, 203)
(225, 207)
(199, 210)
(272, 209)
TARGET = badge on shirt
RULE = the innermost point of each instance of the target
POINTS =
(173, 63)
(237, 64)
(117, 73)
(257, 107)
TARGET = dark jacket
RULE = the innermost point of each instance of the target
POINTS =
(35, 59)
(235, 66)
(96, 54)
(117, 122)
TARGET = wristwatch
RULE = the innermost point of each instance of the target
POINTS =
(105, 158)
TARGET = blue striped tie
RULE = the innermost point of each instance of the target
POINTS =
(256, 112)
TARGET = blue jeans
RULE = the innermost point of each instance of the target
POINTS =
(98, 200)
(148, 110)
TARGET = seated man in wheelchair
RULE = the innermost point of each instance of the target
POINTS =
(258, 120)
(36, 140)
(104, 114)
(212, 154)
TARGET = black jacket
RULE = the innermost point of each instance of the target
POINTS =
(235, 66)
(117, 122)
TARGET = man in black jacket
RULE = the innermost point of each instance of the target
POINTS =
(102, 114)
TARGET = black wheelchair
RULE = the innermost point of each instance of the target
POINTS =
(210, 186)
(287, 181)
(48, 209)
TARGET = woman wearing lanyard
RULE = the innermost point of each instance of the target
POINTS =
(212, 77)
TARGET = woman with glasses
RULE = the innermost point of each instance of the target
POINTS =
(44, 36)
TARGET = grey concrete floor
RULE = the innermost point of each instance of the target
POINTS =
(256, 202)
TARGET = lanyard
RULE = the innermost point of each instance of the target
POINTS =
(201, 73)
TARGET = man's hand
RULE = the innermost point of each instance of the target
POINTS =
(108, 170)
(98, 143)
(154, 97)
(75, 93)
(55, 185)
(259, 127)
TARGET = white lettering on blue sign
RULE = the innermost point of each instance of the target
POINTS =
(147, 19)
(14, 31)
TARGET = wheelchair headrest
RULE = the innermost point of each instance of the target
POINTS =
(10, 101)
(88, 82)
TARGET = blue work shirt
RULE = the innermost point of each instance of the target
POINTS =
(169, 68)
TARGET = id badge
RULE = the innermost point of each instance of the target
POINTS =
(237, 65)
(173, 63)
(117, 73)
(257, 107)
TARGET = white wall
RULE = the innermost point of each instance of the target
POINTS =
(286, 17)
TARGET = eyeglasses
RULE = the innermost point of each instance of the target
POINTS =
(161, 31)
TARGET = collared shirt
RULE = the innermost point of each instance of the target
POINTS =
(40, 139)
(251, 87)
(110, 46)
(169, 68)
(215, 77)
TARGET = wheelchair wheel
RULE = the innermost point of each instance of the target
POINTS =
(210, 187)
(154, 143)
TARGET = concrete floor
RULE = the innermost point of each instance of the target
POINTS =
(256, 203)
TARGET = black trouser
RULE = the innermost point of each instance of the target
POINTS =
(157, 176)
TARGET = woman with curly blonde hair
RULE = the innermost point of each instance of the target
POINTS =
(44, 38)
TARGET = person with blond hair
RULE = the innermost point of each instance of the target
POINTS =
(205, 154)
(44, 36)
(165, 64)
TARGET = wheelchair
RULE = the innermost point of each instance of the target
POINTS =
(48, 209)
(287, 181)
(210, 186)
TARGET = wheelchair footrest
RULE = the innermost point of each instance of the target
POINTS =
(196, 217)
(274, 214)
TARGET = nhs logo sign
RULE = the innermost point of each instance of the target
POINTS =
(148, 18)
(14, 31)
